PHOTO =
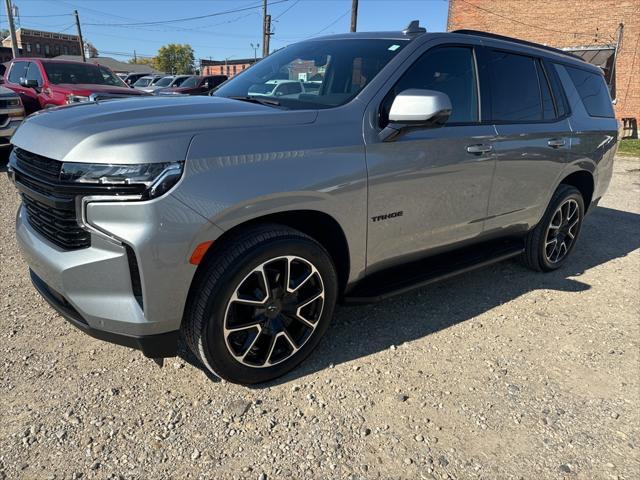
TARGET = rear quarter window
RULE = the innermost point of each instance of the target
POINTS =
(593, 92)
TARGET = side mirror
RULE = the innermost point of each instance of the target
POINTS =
(29, 83)
(416, 109)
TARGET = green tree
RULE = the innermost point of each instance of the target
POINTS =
(151, 61)
(175, 58)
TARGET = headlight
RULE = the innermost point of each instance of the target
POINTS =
(13, 102)
(154, 179)
(76, 99)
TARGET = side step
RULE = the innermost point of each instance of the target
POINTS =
(397, 280)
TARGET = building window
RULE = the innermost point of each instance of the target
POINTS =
(234, 69)
(38, 47)
(65, 49)
(46, 49)
(28, 45)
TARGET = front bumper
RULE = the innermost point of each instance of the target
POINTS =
(152, 346)
(97, 282)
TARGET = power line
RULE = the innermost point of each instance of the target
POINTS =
(186, 19)
(287, 9)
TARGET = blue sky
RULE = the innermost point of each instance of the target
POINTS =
(221, 36)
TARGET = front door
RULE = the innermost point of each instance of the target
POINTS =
(430, 188)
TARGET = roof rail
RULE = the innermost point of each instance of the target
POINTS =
(480, 33)
(414, 28)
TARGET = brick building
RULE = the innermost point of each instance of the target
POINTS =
(225, 67)
(589, 28)
(36, 43)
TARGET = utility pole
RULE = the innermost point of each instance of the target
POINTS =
(84, 57)
(135, 57)
(12, 29)
(266, 29)
(354, 15)
(255, 50)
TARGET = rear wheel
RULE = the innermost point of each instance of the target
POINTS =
(549, 244)
(261, 305)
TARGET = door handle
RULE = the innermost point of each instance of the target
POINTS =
(556, 142)
(479, 149)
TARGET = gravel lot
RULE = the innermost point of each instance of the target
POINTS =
(497, 374)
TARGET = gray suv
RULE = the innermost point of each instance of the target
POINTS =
(238, 221)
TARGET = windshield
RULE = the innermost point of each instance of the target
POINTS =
(143, 82)
(191, 82)
(262, 88)
(77, 73)
(164, 82)
(178, 81)
(335, 70)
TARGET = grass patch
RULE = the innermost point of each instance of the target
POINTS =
(629, 147)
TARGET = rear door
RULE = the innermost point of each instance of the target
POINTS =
(429, 189)
(533, 141)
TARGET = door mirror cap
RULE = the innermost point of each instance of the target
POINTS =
(29, 83)
(416, 109)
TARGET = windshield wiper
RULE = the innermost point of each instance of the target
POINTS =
(260, 100)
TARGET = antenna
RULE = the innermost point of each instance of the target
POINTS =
(414, 28)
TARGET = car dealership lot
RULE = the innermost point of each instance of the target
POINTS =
(501, 373)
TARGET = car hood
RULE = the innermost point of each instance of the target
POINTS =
(87, 89)
(141, 130)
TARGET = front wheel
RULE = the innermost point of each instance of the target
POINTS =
(261, 304)
(549, 244)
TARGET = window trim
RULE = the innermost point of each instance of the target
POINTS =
(468, 46)
(540, 69)
(535, 58)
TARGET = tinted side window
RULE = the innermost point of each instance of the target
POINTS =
(18, 69)
(548, 110)
(33, 73)
(593, 92)
(562, 105)
(515, 91)
(450, 70)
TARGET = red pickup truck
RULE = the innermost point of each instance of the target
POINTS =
(47, 82)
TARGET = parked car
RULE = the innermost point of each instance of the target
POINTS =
(238, 220)
(47, 82)
(276, 88)
(147, 81)
(11, 115)
(164, 82)
(132, 78)
(194, 85)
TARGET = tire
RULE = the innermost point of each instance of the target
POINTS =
(234, 324)
(551, 242)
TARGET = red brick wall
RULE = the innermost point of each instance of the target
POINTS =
(565, 23)
(229, 70)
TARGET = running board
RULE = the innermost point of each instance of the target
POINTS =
(397, 280)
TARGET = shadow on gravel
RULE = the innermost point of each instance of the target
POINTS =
(4, 158)
(364, 330)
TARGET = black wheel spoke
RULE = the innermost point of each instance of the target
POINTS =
(274, 311)
(562, 231)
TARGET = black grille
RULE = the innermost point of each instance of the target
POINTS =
(59, 226)
(50, 205)
(37, 165)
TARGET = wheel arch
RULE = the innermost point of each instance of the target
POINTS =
(320, 226)
(582, 180)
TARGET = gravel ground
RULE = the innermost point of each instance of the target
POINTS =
(497, 374)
